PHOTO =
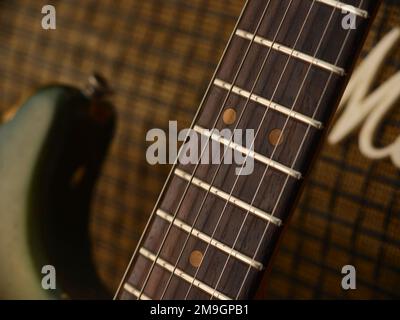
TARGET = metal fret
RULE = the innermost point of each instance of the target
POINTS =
(183, 275)
(293, 53)
(259, 157)
(268, 103)
(132, 290)
(231, 199)
(215, 243)
(345, 7)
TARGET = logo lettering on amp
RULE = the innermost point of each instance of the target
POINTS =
(367, 110)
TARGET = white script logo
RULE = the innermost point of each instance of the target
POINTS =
(370, 108)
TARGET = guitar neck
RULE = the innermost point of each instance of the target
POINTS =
(213, 230)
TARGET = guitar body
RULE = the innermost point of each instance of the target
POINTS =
(50, 156)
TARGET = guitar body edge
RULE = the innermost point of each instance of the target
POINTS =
(50, 156)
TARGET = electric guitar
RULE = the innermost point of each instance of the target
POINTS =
(213, 232)
(50, 155)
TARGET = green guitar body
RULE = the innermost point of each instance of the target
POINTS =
(50, 156)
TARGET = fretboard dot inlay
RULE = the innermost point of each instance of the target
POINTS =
(195, 258)
(275, 137)
(229, 116)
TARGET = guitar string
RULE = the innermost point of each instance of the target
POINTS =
(170, 174)
(275, 148)
(306, 19)
(195, 169)
(298, 151)
(215, 175)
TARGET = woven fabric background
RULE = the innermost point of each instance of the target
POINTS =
(159, 56)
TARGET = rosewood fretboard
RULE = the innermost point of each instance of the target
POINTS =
(212, 232)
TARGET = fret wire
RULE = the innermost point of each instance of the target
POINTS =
(132, 290)
(183, 275)
(297, 155)
(204, 237)
(233, 200)
(346, 7)
(247, 101)
(170, 174)
(205, 147)
(297, 54)
(250, 153)
(268, 103)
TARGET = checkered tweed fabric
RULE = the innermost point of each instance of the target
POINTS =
(159, 56)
